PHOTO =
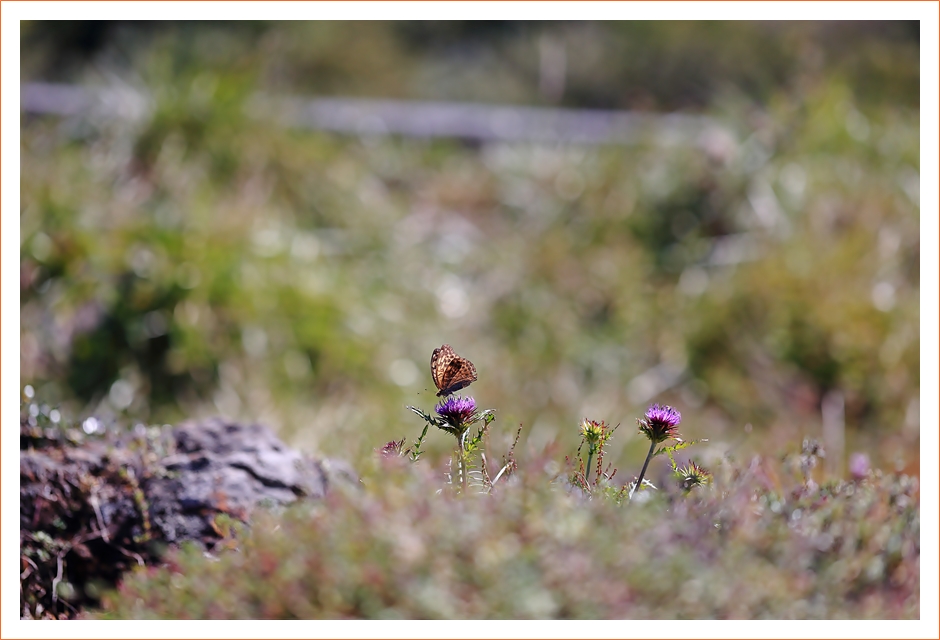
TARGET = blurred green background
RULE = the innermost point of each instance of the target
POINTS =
(199, 258)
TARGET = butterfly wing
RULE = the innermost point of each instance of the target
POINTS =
(460, 373)
(440, 361)
(450, 372)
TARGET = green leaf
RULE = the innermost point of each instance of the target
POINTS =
(680, 444)
(416, 452)
(428, 417)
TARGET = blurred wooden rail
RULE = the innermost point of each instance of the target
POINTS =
(368, 117)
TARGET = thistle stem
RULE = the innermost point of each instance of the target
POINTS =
(462, 460)
(590, 460)
(463, 472)
(639, 481)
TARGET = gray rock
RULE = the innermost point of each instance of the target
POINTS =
(99, 506)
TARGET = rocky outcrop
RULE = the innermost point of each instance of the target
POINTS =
(90, 509)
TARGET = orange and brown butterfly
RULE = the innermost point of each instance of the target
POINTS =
(451, 372)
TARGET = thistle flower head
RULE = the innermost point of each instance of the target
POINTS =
(457, 411)
(693, 475)
(593, 432)
(859, 465)
(392, 448)
(660, 423)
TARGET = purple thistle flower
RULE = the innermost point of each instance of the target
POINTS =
(457, 411)
(859, 465)
(660, 423)
(392, 448)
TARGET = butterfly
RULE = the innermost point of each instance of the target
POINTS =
(451, 372)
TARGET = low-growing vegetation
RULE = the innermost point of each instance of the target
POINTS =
(752, 539)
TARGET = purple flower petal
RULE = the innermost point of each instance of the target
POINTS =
(660, 423)
(457, 410)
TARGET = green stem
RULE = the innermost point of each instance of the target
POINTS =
(639, 481)
(587, 470)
